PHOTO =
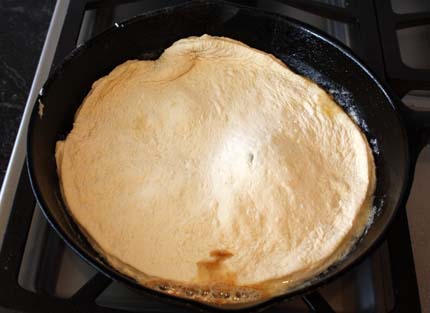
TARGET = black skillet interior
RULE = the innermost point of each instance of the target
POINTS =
(145, 37)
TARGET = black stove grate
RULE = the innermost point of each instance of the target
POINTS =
(400, 76)
(378, 47)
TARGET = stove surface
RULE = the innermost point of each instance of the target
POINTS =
(55, 273)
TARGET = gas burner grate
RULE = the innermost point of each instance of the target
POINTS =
(400, 76)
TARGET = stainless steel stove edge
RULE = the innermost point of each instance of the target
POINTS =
(16, 162)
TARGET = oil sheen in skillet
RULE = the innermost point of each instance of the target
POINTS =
(215, 173)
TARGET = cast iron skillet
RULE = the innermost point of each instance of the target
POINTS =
(395, 143)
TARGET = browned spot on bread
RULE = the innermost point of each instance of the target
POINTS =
(221, 254)
(214, 270)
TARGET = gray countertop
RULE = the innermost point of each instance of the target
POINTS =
(23, 27)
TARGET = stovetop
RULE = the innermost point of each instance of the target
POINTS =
(38, 273)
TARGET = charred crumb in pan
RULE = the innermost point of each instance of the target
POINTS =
(40, 109)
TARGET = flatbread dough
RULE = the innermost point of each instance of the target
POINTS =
(215, 172)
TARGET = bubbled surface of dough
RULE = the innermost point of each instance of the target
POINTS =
(215, 146)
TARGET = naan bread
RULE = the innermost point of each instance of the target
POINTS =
(215, 172)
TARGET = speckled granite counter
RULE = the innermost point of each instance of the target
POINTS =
(23, 27)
